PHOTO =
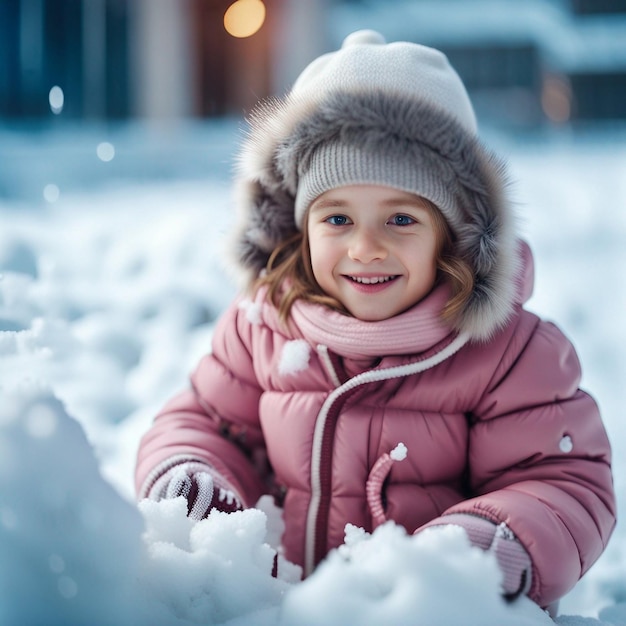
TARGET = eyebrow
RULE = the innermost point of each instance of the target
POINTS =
(332, 203)
(417, 203)
(327, 204)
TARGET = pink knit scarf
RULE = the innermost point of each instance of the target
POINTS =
(413, 331)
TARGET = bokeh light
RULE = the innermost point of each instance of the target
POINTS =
(556, 99)
(244, 18)
(56, 98)
(51, 193)
(105, 151)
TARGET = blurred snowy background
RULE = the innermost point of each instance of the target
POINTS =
(118, 126)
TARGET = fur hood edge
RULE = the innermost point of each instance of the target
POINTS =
(284, 133)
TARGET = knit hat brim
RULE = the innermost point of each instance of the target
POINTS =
(339, 163)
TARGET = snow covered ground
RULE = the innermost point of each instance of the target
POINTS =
(108, 295)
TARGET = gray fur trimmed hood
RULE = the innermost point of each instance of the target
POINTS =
(460, 176)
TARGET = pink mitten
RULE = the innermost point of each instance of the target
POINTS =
(512, 557)
(203, 488)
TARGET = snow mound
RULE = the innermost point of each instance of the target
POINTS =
(389, 577)
(75, 552)
(215, 570)
(70, 545)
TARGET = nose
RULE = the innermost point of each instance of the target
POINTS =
(366, 246)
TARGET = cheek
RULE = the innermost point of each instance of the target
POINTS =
(426, 259)
(432, 250)
(320, 258)
(434, 255)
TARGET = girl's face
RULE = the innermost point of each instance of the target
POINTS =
(373, 248)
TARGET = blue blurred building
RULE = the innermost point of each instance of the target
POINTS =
(117, 59)
(525, 62)
(80, 46)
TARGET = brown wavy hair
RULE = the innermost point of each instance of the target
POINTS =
(290, 264)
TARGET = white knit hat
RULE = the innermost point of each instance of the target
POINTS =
(366, 63)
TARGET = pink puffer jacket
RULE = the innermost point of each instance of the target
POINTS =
(497, 428)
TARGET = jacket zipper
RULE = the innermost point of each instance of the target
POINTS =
(324, 434)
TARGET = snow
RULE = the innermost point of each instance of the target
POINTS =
(566, 444)
(399, 452)
(69, 543)
(108, 297)
(210, 572)
(252, 309)
(389, 577)
(294, 358)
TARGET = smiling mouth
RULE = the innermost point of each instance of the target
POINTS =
(372, 280)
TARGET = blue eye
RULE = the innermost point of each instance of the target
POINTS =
(403, 220)
(337, 220)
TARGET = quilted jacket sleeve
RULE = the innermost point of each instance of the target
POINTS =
(215, 421)
(539, 458)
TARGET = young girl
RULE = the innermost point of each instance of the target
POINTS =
(380, 365)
